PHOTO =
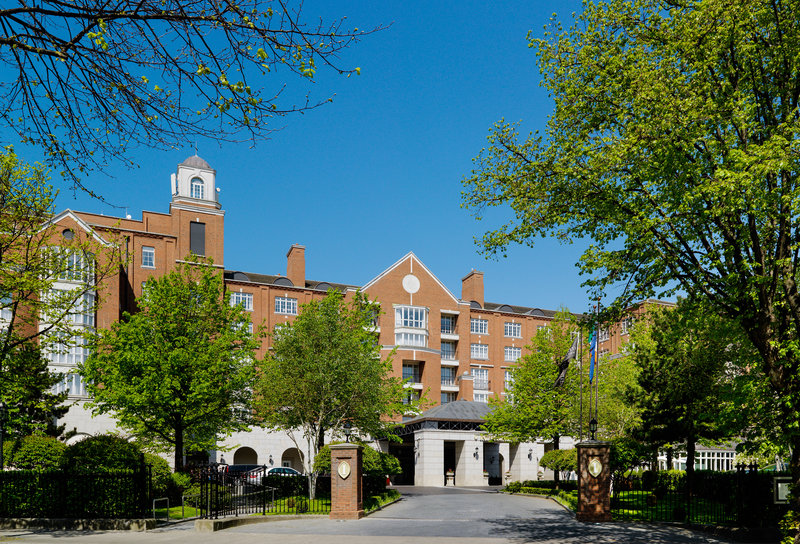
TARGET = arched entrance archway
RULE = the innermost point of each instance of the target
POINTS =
(292, 458)
(245, 456)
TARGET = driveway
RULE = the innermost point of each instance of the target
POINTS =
(427, 515)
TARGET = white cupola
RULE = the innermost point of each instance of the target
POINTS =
(195, 183)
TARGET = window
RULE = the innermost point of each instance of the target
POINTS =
(480, 397)
(197, 238)
(513, 330)
(198, 188)
(411, 372)
(449, 351)
(5, 308)
(411, 317)
(148, 257)
(411, 339)
(448, 375)
(72, 384)
(448, 396)
(74, 307)
(448, 324)
(411, 395)
(478, 326)
(71, 265)
(602, 334)
(66, 349)
(625, 325)
(512, 353)
(480, 378)
(508, 378)
(479, 351)
(245, 300)
(285, 305)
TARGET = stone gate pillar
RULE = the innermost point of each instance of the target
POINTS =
(347, 501)
(594, 482)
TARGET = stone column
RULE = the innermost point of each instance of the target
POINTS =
(346, 475)
(594, 482)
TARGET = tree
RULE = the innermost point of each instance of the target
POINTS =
(673, 147)
(534, 406)
(178, 373)
(325, 370)
(45, 276)
(689, 360)
(87, 81)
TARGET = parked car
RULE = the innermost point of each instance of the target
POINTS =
(283, 471)
(243, 471)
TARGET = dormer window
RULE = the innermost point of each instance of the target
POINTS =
(198, 188)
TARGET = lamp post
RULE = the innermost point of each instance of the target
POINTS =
(3, 415)
(348, 428)
(593, 427)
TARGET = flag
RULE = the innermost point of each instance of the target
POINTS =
(564, 365)
(592, 355)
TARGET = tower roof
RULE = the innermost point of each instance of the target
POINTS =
(196, 162)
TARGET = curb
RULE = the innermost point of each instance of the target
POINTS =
(212, 525)
(86, 524)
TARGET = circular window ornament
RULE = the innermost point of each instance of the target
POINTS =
(411, 284)
(69, 234)
(343, 470)
(595, 467)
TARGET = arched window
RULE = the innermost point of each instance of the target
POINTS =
(198, 188)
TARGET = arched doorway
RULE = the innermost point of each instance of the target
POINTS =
(245, 456)
(292, 458)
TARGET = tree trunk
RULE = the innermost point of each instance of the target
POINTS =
(556, 446)
(794, 467)
(690, 449)
(669, 458)
(178, 450)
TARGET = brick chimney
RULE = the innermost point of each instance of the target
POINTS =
(465, 387)
(296, 265)
(472, 287)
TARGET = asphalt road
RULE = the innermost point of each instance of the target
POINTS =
(425, 515)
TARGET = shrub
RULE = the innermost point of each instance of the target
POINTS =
(301, 506)
(561, 460)
(514, 487)
(375, 462)
(162, 475)
(101, 452)
(34, 453)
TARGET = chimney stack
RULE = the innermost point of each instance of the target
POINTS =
(472, 287)
(296, 265)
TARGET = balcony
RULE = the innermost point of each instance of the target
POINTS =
(481, 384)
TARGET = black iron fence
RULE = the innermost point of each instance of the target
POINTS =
(75, 494)
(743, 498)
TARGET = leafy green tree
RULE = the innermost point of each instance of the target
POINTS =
(689, 361)
(35, 259)
(673, 147)
(616, 379)
(561, 461)
(178, 374)
(101, 452)
(34, 452)
(375, 463)
(324, 370)
(534, 406)
(86, 80)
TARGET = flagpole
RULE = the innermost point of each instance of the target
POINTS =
(597, 360)
(580, 369)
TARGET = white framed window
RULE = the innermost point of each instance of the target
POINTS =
(71, 265)
(5, 308)
(479, 326)
(512, 330)
(479, 351)
(448, 324)
(245, 300)
(602, 334)
(449, 351)
(148, 257)
(410, 317)
(480, 379)
(511, 354)
(481, 397)
(72, 384)
(65, 349)
(508, 379)
(286, 305)
(411, 395)
(411, 339)
(625, 325)
(198, 189)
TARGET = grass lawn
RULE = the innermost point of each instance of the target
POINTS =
(644, 506)
(175, 512)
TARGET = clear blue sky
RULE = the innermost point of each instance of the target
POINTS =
(377, 173)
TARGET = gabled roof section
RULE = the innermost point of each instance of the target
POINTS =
(81, 223)
(415, 259)
(457, 410)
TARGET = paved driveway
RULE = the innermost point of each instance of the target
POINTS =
(425, 515)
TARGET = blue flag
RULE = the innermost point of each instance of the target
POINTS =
(592, 355)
